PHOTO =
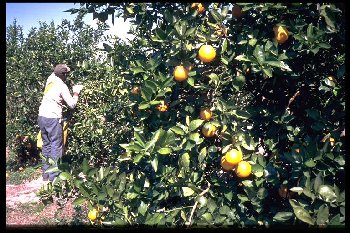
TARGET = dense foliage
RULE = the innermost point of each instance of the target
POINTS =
(279, 102)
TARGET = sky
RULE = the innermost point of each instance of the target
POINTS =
(28, 15)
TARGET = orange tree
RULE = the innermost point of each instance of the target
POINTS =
(29, 61)
(273, 81)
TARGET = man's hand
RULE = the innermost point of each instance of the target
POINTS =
(77, 88)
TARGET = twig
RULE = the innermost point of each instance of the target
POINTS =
(188, 223)
(293, 98)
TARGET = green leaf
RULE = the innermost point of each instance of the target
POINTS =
(322, 214)
(137, 69)
(160, 33)
(208, 217)
(298, 190)
(327, 194)
(279, 64)
(78, 201)
(214, 77)
(252, 41)
(211, 205)
(241, 114)
(242, 58)
(65, 176)
(139, 138)
(154, 164)
(224, 210)
(216, 16)
(190, 81)
(185, 160)
(187, 191)
(324, 45)
(224, 46)
(267, 72)
(142, 208)
(310, 163)
(328, 16)
(178, 130)
(196, 138)
(195, 124)
(144, 106)
(190, 31)
(303, 215)
(202, 155)
(164, 151)
(282, 216)
(259, 54)
(258, 170)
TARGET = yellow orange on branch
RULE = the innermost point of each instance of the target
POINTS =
(225, 165)
(208, 130)
(199, 6)
(281, 34)
(92, 215)
(244, 169)
(180, 73)
(206, 53)
(233, 156)
(162, 107)
(205, 114)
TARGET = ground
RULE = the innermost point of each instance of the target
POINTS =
(24, 208)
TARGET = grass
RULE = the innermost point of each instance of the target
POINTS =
(20, 173)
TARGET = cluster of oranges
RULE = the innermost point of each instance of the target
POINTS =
(233, 160)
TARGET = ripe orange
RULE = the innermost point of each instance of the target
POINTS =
(225, 165)
(244, 169)
(180, 73)
(205, 114)
(237, 11)
(281, 34)
(208, 130)
(233, 156)
(92, 214)
(207, 53)
(162, 107)
(136, 90)
(332, 141)
(199, 6)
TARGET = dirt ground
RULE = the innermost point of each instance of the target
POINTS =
(24, 208)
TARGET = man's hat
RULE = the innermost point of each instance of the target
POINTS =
(61, 69)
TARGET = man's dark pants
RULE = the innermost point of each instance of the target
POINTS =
(52, 136)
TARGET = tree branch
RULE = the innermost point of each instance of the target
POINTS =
(189, 222)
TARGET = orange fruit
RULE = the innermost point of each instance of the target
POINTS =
(205, 114)
(199, 6)
(180, 73)
(281, 34)
(244, 169)
(92, 215)
(136, 90)
(237, 11)
(208, 130)
(297, 150)
(233, 156)
(225, 165)
(331, 140)
(207, 53)
(162, 107)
